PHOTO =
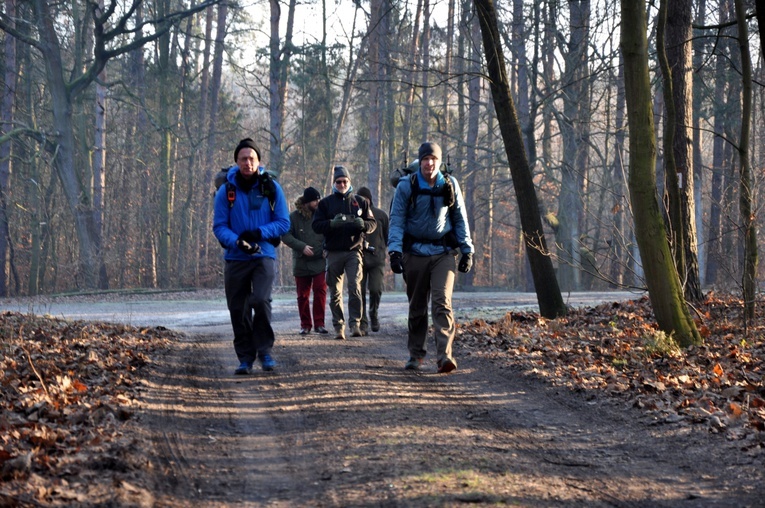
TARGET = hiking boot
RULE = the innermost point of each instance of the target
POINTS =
(340, 335)
(243, 369)
(375, 325)
(413, 364)
(321, 330)
(305, 331)
(267, 362)
(447, 365)
(357, 332)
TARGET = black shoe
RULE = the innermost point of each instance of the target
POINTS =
(321, 330)
(305, 331)
(375, 326)
(447, 366)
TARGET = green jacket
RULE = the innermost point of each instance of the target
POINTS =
(301, 234)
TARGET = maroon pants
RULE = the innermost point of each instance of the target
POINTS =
(304, 285)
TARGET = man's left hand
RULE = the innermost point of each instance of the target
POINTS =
(466, 263)
(359, 223)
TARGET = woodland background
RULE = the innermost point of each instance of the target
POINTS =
(115, 117)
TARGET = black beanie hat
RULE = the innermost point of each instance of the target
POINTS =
(340, 172)
(428, 148)
(364, 192)
(310, 194)
(246, 143)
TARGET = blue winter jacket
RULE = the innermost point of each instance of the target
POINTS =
(428, 219)
(249, 212)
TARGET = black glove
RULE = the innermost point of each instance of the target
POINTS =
(252, 236)
(466, 263)
(359, 223)
(247, 247)
(338, 221)
(397, 262)
(275, 241)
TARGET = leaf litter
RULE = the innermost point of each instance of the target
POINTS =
(616, 350)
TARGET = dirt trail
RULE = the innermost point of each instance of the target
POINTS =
(342, 424)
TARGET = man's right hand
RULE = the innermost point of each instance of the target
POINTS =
(397, 262)
(308, 251)
(247, 247)
(338, 221)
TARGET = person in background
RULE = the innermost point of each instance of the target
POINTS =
(374, 255)
(428, 229)
(307, 262)
(250, 214)
(343, 219)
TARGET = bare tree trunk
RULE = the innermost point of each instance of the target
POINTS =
(78, 197)
(278, 76)
(719, 149)
(445, 130)
(99, 165)
(425, 133)
(698, 47)
(675, 225)
(6, 125)
(678, 47)
(406, 128)
(573, 127)
(619, 241)
(374, 149)
(165, 150)
(664, 287)
(548, 293)
(474, 117)
(519, 41)
(746, 189)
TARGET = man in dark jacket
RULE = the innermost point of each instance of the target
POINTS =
(307, 262)
(250, 213)
(375, 253)
(343, 219)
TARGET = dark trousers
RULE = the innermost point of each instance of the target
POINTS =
(344, 265)
(304, 285)
(372, 281)
(430, 278)
(248, 296)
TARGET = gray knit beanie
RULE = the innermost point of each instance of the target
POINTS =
(340, 172)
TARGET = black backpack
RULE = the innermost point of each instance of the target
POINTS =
(267, 187)
(410, 171)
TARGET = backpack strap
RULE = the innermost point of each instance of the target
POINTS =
(268, 188)
(230, 194)
(447, 191)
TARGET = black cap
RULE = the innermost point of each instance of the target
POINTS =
(246, 143)
(428, 148)
(364, 192)
(310, 194)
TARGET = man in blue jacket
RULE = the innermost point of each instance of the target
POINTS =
(250, 215)
(428, 229)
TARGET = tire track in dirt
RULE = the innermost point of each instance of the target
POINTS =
(342, 424)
